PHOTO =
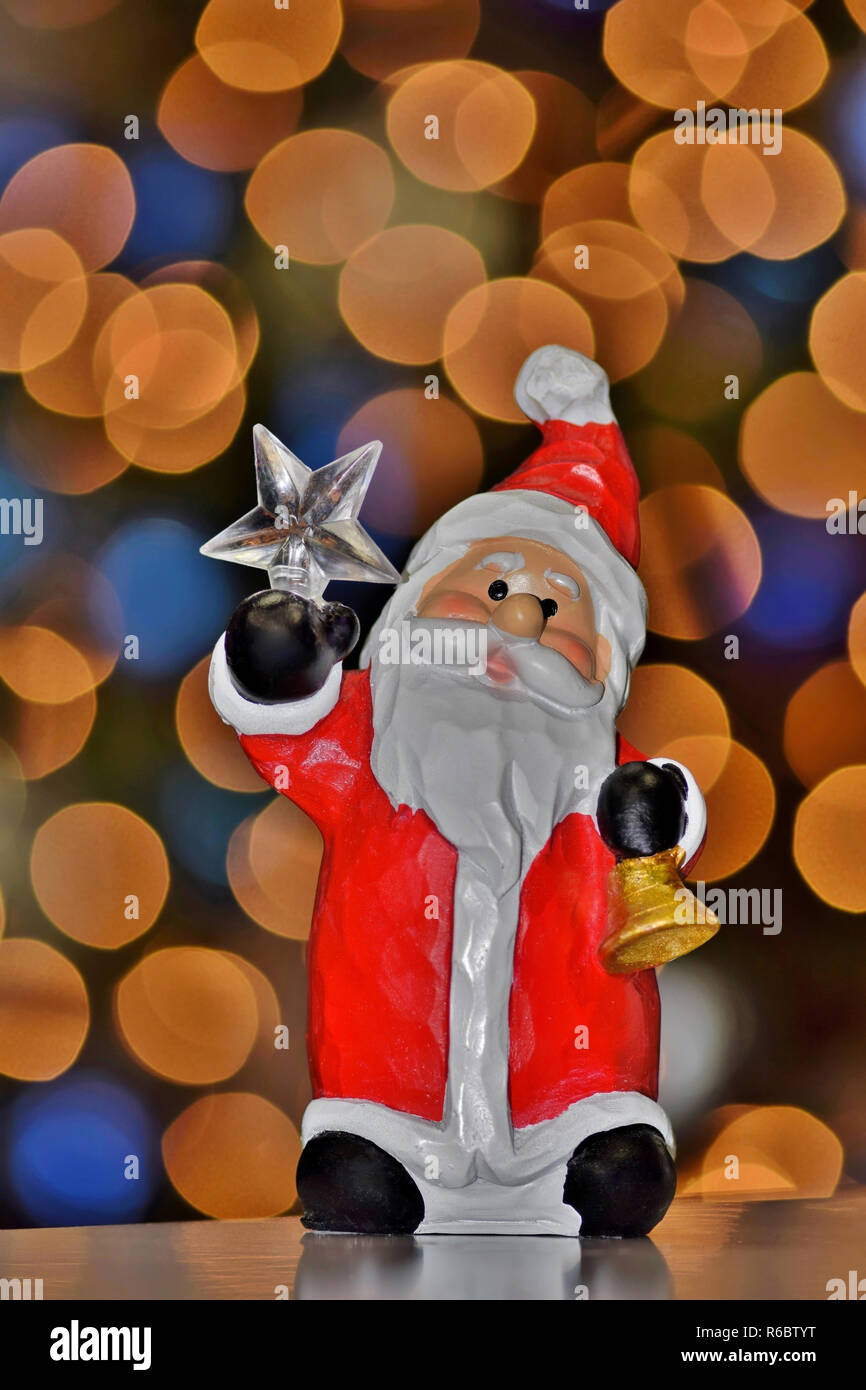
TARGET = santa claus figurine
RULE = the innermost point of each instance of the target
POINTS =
(476, 1062)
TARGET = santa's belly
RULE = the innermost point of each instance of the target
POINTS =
(433, 997)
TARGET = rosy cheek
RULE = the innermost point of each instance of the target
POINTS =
(573, 649)
(454, 604)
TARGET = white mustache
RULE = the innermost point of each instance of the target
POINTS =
(518, 668)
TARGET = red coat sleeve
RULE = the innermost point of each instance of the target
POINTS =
(320, 769)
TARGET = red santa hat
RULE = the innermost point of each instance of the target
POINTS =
(583, 459)
(578, 492)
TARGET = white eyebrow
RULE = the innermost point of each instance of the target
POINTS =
(564, 581)
(503, 560)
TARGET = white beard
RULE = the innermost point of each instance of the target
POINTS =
(494, 773)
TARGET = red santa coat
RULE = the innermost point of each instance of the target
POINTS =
(380, 945)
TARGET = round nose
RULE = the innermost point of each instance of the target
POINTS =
(521, 615)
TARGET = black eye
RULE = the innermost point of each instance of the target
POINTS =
(549, 607)
(498, 589)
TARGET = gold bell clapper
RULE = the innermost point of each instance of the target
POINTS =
(652, 916)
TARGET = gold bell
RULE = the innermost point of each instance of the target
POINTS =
(652, 917)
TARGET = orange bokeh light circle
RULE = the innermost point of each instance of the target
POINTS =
(273, 865)
(825, 723)
(188, 1013)
(67, 383)
(800, 446)
(41, 666)
(741, 808)
(381, 37)
(857, 638)
(492, 330)
(667, 703)
(82, 193)
(676, 54)
(233, 1156)
(396, 290)
(265, 48)
(49, 736)
(221, 127)
(227, 289)
(590, 192)
(664, 455)
(828, 839)
(177, 344)
(432, 458)
(700, 560)
(782, 1152)
(44, 293)
(44, 1010)
(211, 746)
(564, 136)
(484, 124)
(624, 280)
(322, 194)
(837, 339)
(63, 454)
(100, 873)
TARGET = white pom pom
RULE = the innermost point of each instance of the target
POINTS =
(557, 383)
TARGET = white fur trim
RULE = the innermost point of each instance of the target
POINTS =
(526, 1198)
(251, 717)
(557, 383)
(535, 1208)
(696, 811)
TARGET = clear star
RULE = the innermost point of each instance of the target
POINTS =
(305, 531)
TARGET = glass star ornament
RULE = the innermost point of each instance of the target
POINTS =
(305, 530)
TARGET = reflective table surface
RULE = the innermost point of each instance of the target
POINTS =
(702, 1250)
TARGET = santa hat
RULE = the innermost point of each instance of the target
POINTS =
(577, 492)
(583, 459)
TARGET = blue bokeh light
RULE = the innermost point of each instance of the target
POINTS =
(798, 281)
(70, 1143)
(809, 580)
(198, 820)
(778, 295)
(182, 210)
(316, 398)
(173, 600)
(848, 127)
(29, 134)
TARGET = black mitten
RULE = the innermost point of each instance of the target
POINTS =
(641, 809)
(280, 646)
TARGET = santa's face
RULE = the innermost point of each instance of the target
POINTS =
(522, 590)
(497, 753)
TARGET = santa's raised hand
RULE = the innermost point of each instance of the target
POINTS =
(280, 646)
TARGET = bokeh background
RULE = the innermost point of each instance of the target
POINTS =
(236, 206)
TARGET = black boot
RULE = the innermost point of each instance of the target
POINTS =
(621, 1181)
(349, 1184)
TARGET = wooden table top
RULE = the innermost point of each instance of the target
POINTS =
(702, 1250)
